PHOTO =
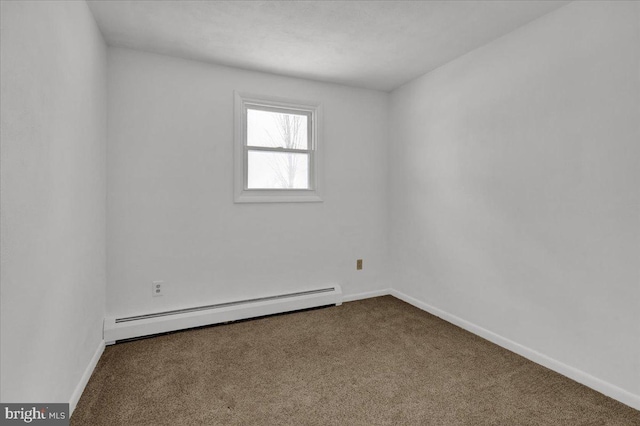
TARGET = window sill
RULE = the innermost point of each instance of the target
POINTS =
(278, 197)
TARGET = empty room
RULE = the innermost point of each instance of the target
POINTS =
(320, 212)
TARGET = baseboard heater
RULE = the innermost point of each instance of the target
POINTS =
(161, 322)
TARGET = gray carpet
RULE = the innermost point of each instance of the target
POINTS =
(371, 362)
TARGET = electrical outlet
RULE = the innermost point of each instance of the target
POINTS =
(157, 288)
(359, 264)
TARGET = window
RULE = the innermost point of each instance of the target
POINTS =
(277, 156)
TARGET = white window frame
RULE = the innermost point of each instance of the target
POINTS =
(242, 194)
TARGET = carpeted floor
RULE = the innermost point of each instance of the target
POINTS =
(371, 362)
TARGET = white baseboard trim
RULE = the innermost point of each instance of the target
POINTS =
(366, 295)
(579, 376)
(77, 393)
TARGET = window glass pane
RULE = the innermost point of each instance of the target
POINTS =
(276, 129)
(277, 170)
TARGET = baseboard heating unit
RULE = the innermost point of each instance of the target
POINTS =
(161, 322)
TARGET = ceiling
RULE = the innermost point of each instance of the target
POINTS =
(374, 44)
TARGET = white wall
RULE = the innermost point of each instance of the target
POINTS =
(171, 214)
(53, 198)
(514, 188)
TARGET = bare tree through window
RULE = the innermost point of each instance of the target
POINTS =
(279, 150)
(275, 151)
(291, 133)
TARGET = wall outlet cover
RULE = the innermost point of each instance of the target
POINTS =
(157, 288)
